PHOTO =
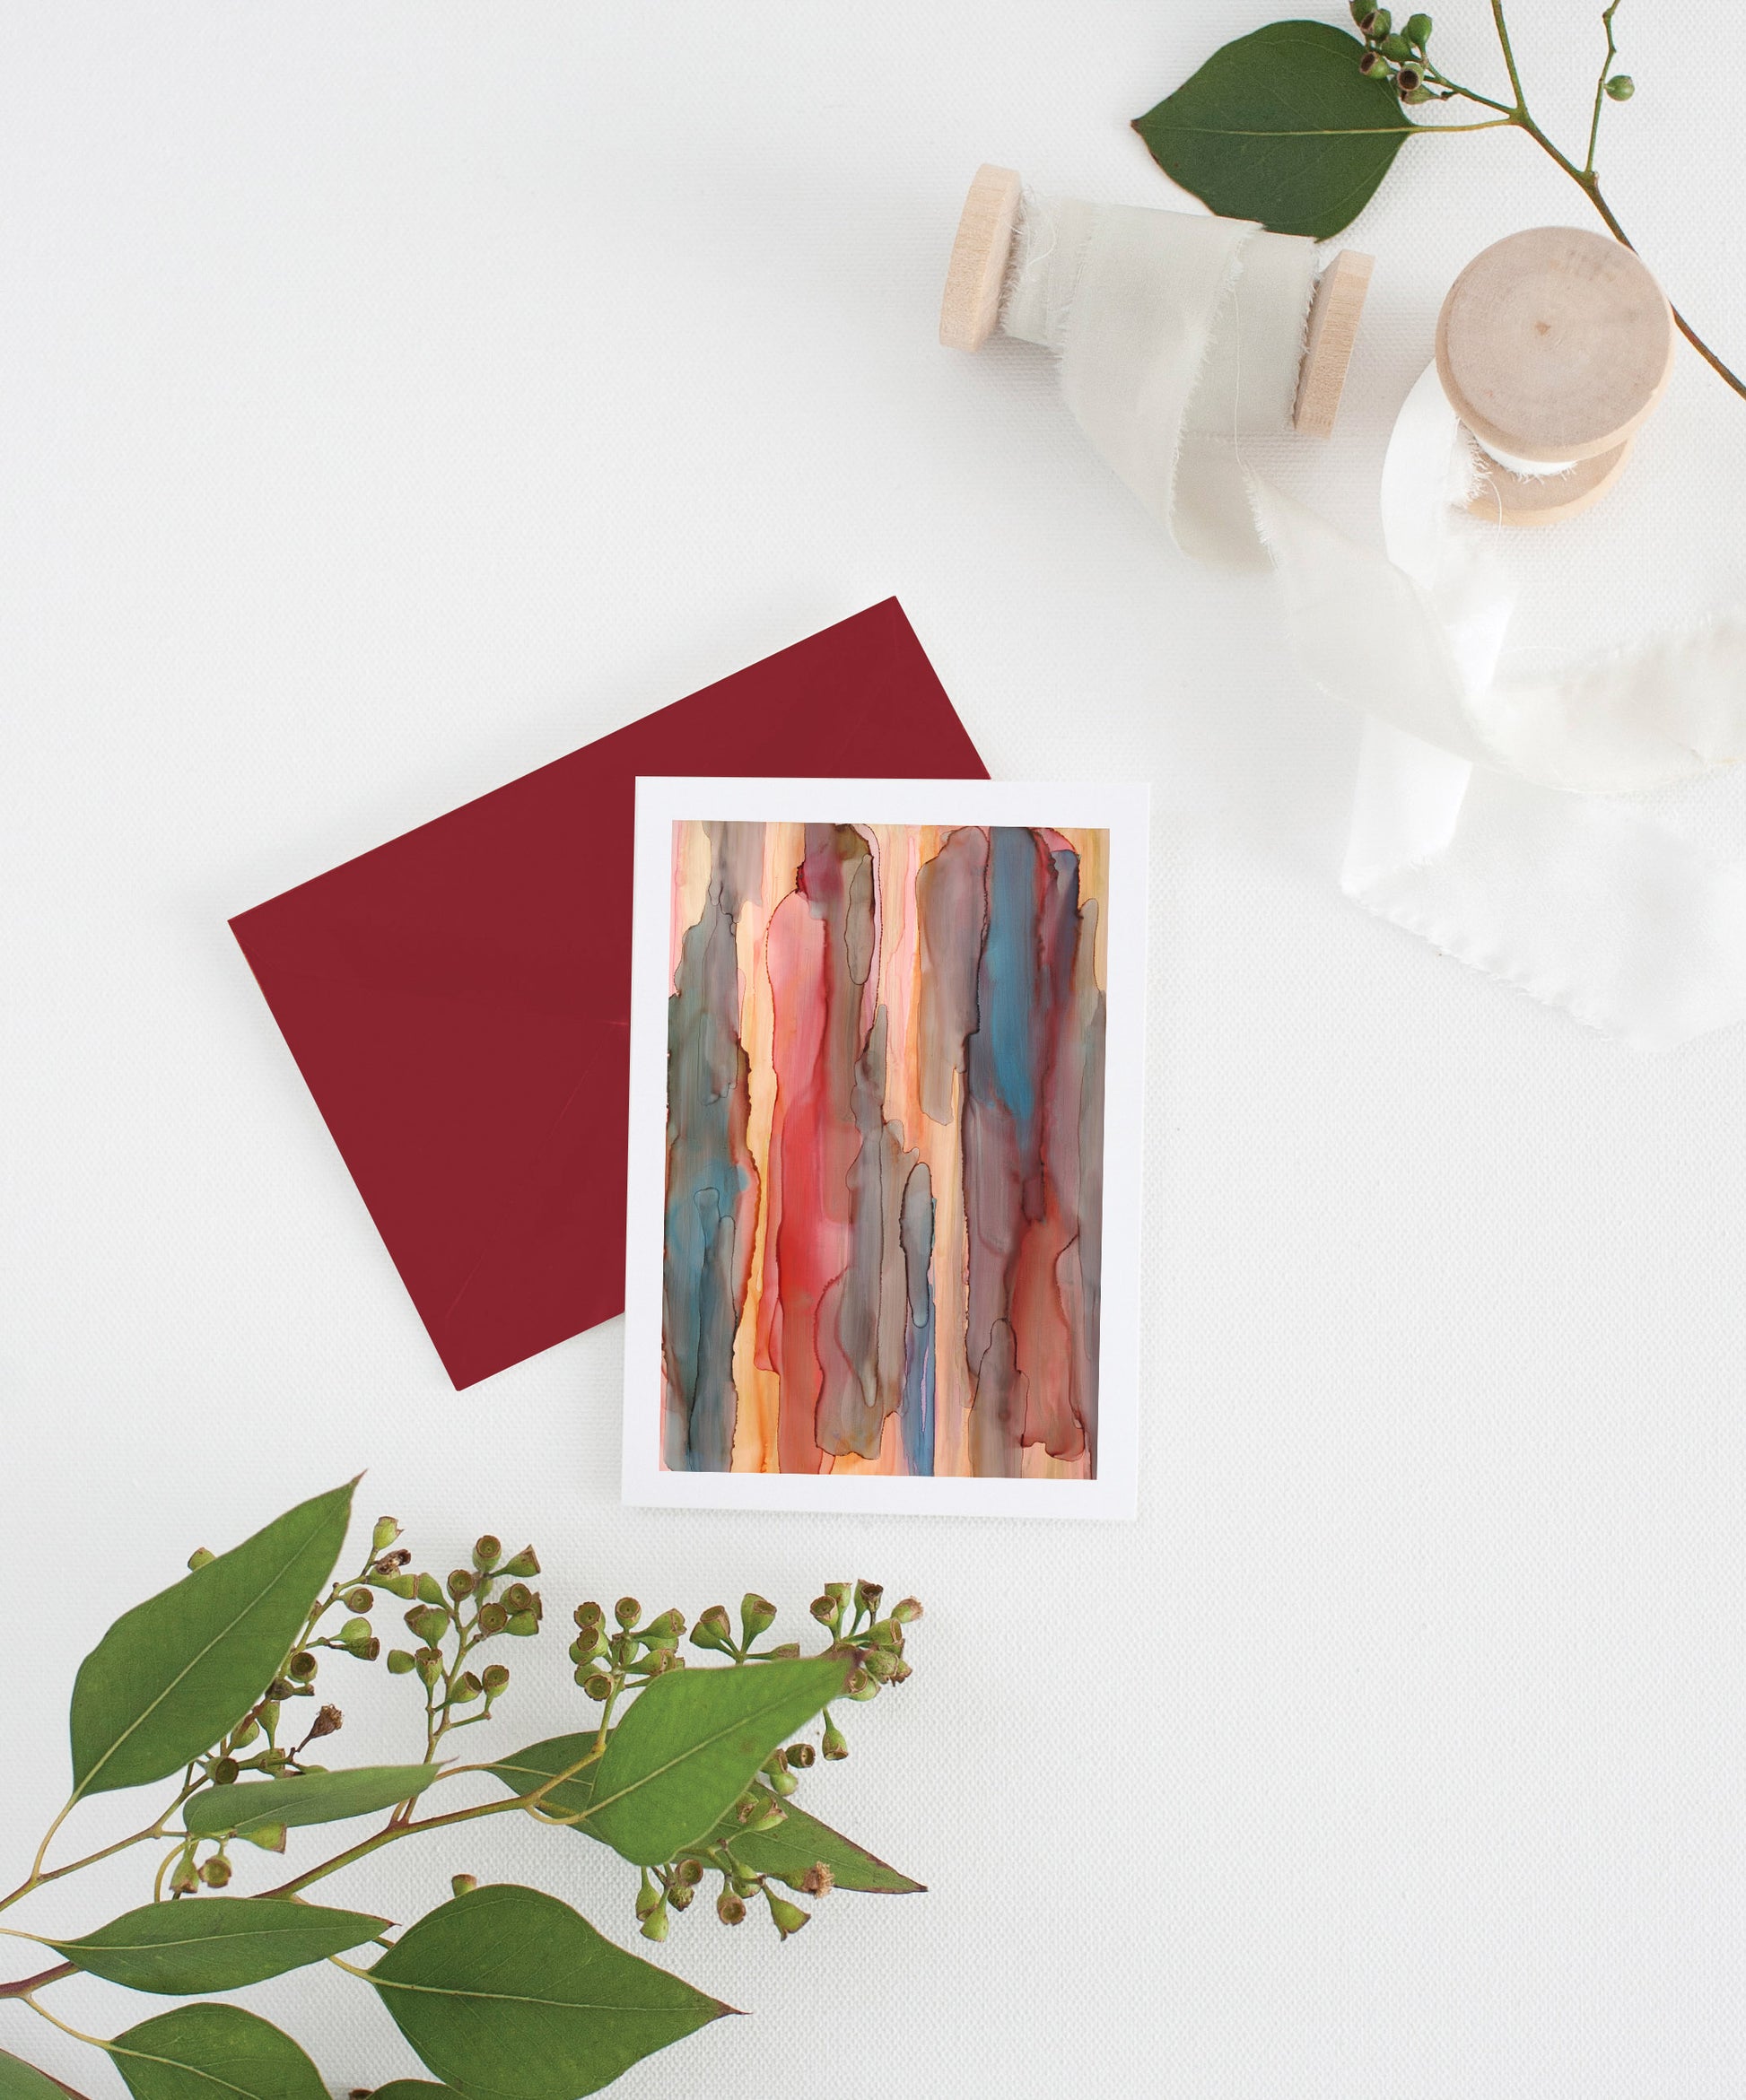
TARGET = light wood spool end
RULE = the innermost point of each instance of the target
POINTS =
(1554, 346)
(970, 309)
(1333, 330)
(975, 278)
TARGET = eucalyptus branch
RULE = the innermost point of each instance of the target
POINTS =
(144, 1705)
(1601, 96)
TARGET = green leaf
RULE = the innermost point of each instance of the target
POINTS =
(691, 1745)
(214, 1942)
(508, 1994)
(315, 1797)
(214, 2052)
(171, 1676)
(787, 1852)
(20, 2080)
(797, 1843)
(525, 1770)
(410, 2090)
(1281, 126)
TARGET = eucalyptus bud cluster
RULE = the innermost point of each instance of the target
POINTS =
(1397, 56)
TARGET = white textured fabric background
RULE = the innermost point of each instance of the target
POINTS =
(393, 398)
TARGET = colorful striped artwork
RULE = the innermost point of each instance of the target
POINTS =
(883, 1222)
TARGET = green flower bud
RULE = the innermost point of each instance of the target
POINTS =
(1372, 63)
(1419, 29)
(216, 1871)
(462, 1582)
(429, 1590)
(664, 1630)
(355, 1630)
(518, 1597)
(648, 1897)
(729, 1908)
(885, 1633)
(907, 1611)
(785, 1651)
(522, 1623)
(588, 1615)
(824, 1610)
(1376, 24)
(787, 1918)
(487, 1552)
(463, 1883)
(268, 1712)
(1409, 80)
(679, 1898)
(269, 1836)
(360, 1599)
(784, 1783)
(385, 1534)
(879, 1665)
(1361, 8)
(186, 1879)
(817, 1880)
(429, 1665)
(1396, 48)
(598, 1687)
(627, 1611)
(1621, 87)
(688, 1873)
(201, 1557)
(774, 1813)
(903, 1670)
(400, 1661)
(429, 1622)
(224, 1772)
(748, 1805)
(396, 1585)
(280, 1688)
(1417, 95)
(800, 1756)
(868, 1596)
(757, 1614)
(654, 1926)
(494, 1677)
(525, 1563)
(366, 1651)
(492, 1619)
(467, 1689)
(301, 1667)
(713, 1629)
(861, 1686)
(835, 1746)
(245, 1732)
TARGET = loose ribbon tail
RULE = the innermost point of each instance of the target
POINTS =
(1504, 822)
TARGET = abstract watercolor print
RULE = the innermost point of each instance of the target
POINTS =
(885, 1149)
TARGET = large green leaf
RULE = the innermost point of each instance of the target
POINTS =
(171, 1676)
(214, 1943)
(1281, 126)
(787, 1852)
(524, 1770)
(20, 2080)
(798, 1843)
(315, 1797)
(691, 1744)
(214, 2052)
(508, 1994)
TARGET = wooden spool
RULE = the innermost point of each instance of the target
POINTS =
(1553, 346)
(976, 275)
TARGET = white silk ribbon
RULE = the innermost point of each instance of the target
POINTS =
(1511, 823)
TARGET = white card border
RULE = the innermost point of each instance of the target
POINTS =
(1123, 809)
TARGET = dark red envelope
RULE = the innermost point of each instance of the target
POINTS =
(458, 1000)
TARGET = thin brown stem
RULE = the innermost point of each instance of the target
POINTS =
(26, 1984)
(1607, 14)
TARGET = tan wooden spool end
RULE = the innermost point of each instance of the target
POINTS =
(1553, 345)
(970, 309)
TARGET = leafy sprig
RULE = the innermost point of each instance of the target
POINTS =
(683, 1772)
